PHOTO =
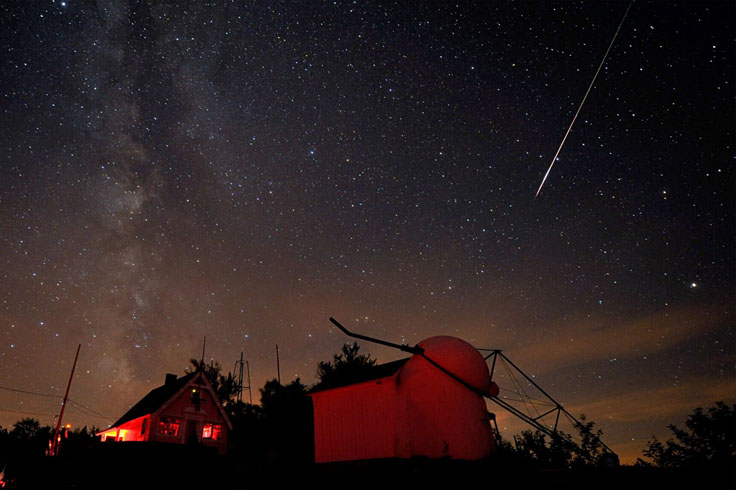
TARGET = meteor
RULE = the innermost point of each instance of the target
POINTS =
(584, 98)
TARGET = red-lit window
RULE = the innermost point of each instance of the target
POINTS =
(212, 431)
(168, 426)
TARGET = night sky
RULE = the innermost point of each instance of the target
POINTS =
(245, 170)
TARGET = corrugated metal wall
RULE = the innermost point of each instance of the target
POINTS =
(355, 422)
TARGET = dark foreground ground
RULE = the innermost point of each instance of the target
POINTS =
(114, 466)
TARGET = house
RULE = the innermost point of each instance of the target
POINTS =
(183, 410)
(429, 405)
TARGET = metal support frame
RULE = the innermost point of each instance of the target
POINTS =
(239, 370)
(534, 421)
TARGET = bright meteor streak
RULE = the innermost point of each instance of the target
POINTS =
(584, 98)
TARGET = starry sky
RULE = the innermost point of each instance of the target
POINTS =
(245, 170)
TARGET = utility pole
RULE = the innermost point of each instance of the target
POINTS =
(250, 392)
(278, 365)
(55, 444)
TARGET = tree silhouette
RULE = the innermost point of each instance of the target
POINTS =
(275, 396)
(248, 437)
(538, 449)
(344, 368)
(590, 448)
(224, 385)
(535, 449)
(286, 414)
(710, 441)
(26, 429)
(27, 438)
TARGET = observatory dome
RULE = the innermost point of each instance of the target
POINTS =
(460, 358)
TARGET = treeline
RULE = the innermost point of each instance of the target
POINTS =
(28, 438)
(279, 430)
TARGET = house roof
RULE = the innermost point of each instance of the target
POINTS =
(154, 399)
(375, 372)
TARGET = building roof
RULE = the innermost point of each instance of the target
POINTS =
(154, 399)
(375, 372)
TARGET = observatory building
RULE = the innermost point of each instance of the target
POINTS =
(429, 405)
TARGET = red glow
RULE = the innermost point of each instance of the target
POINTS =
(167, 423)
(169, 426)
(212, 431)
(129, 431)
(418, 411)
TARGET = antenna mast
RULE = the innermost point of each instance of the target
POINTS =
(250, 392)
(204, 344)
(239, 369)
(55, 444)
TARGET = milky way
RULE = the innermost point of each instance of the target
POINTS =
(245, 170)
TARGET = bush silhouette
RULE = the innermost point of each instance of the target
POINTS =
(709, 442)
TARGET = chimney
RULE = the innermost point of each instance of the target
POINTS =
(170, 379)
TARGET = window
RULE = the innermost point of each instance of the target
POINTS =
(168, 426)
(212, 431)
(144, 426)
(197, 398)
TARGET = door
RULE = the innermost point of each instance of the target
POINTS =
(192, 437)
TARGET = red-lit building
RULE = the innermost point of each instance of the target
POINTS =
(183, 410)
(428, 405)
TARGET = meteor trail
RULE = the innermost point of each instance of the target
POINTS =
(584, 97)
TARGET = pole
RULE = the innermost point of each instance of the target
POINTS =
(240, 378)
(278, 365)
(238, 385)
(204, 343)
(250, 392)
(55, 446)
